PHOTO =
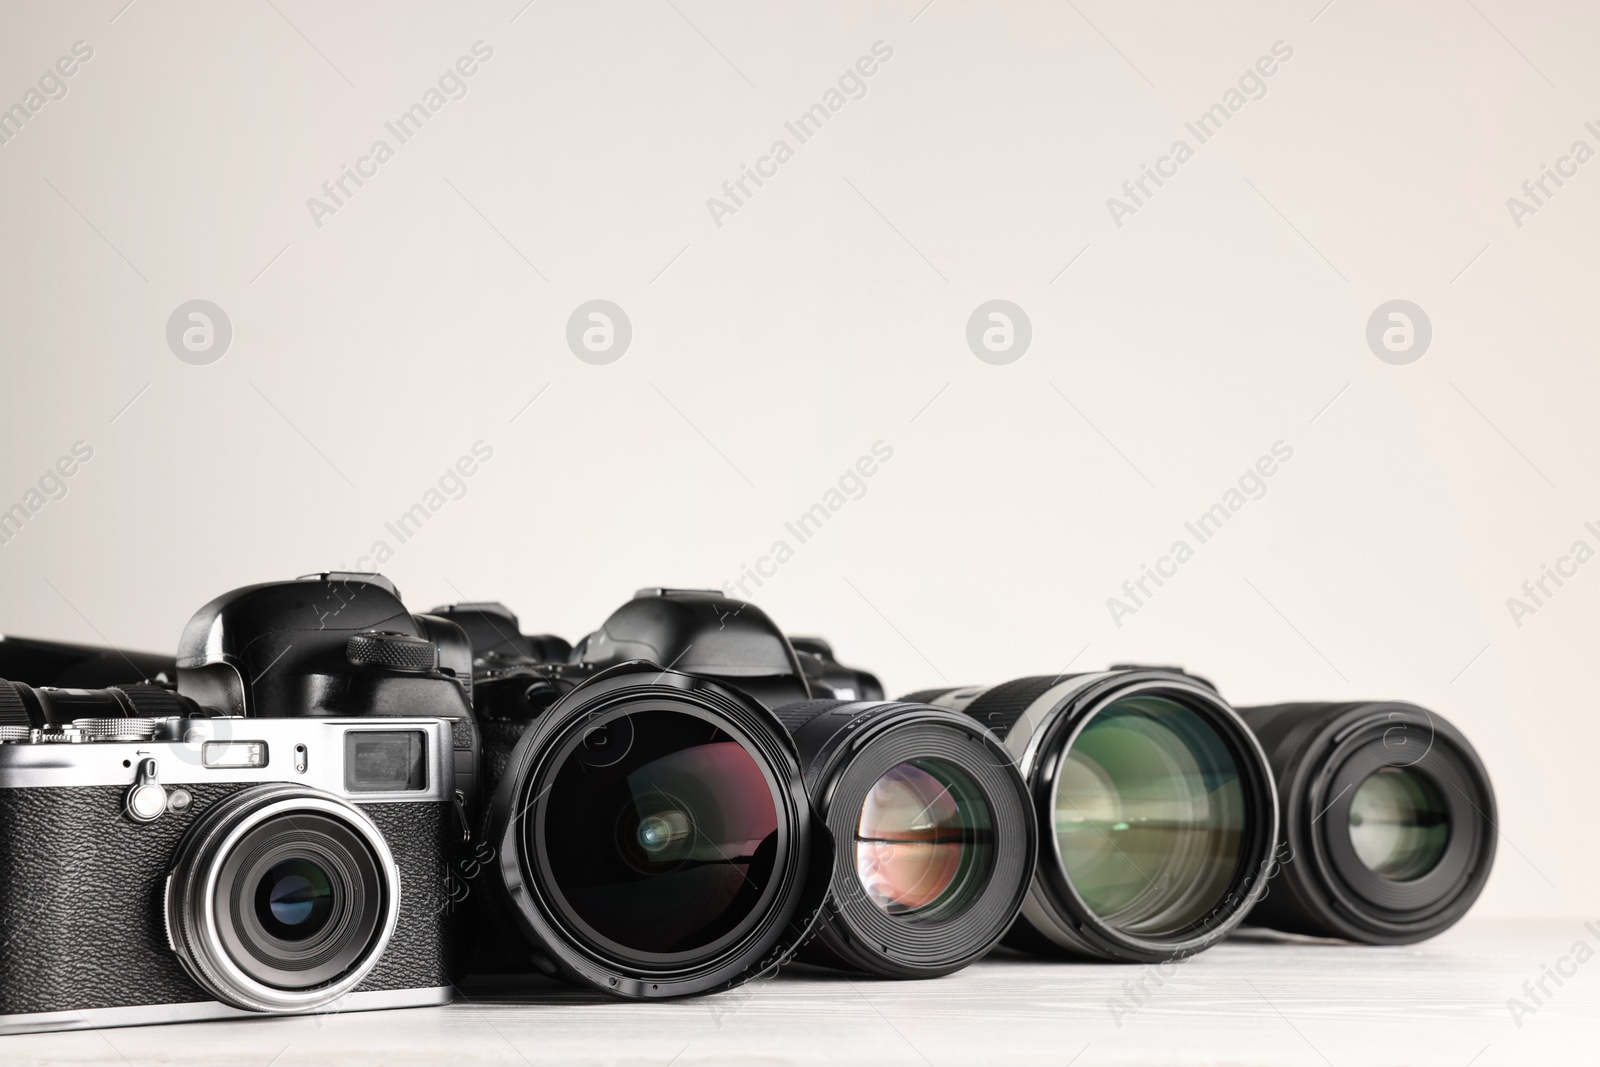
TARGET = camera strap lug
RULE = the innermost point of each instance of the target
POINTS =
(460, 806)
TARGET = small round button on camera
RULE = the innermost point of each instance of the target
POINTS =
(147, 800)
(146, 803)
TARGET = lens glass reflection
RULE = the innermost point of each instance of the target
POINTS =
(923, 840)
(294, 899)
(1399, 825)
(1149, 814)
(660, 832)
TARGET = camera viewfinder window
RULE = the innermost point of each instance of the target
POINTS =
(384, 761)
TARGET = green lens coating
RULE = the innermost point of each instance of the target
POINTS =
(1149, 815)
(1399, 825)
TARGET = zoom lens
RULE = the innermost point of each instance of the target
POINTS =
(1388, 816)
(282, 898)
(654, 836)
(1155, 801)
(942, 830)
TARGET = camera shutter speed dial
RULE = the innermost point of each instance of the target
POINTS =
(396, 652)
(116, 729)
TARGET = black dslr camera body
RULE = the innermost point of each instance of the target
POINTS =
(247, 865)
(337, 644)
(648, 832)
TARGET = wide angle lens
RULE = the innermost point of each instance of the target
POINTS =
(922, 826)
(653, 838)
(659, 835)
(1149, 811)
(1399, 825)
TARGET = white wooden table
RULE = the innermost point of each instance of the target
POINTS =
(1247, 1002)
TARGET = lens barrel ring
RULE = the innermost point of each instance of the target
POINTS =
(846, 758)
(800, 875)
(197, 934)
(1322, 753)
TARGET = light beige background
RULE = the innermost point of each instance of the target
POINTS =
(829, 313)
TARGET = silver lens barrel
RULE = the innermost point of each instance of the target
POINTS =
(282, 899)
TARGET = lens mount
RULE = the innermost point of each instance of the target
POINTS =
(1326, 754)
(1180, 735)
(942, 827)
(654, 837)
(282, 899)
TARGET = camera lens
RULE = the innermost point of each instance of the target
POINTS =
(1148, 815)
(1398, 824)
(1388, 821)
(654, 836)
(692, 821)
(922, 826)
(1156, 809)
(942, 828)
(282, 898)
(294, 899)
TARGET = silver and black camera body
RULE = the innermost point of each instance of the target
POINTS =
(169, 869)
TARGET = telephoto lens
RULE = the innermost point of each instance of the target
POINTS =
(1155, 805)
(933, 829)
(653, 838)
(1388, 816)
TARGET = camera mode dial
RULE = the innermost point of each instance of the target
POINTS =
(393, 651)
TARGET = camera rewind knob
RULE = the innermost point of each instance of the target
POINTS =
(395, 652)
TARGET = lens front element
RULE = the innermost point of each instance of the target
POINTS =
(1149, 815)
(294, 899)
(921, 836)
(659, 835)
(1399, 824)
